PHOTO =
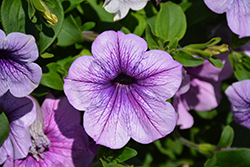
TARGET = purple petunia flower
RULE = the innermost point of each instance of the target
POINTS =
(123, 89)
(200, 90)
(21, 113)
(18, 73)
(63, 141)
(239, 96)
(238, 14)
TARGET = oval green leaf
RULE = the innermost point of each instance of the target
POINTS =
(170, 21)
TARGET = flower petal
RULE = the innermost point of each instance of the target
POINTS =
(21, 113)
(219, 6)
(238, 94)
(118, 52)
(17, 72)
(20, 78)
(84, 81)
(129, 112)
(185, 119)
(120, 8)
(104, 123)
(207, 71)
(2, 35)
(150, 118)
(159, 74)
(23, 47)
(202, 96)
(106, 51)
(111, 6)
(238, 18)
(131, 50)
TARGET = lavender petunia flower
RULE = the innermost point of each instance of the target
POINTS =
(18, 73)
(21, 113)
(120, 8)
(202, 93)
(238, 14)
(239, 96)
(123, 89)
(63, 141)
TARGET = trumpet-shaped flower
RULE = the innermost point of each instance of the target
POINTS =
(65, 144)
(238, 14)
(239, 96)
(123, 89)
(18, 73)
(200, 90)
(21, 113)
(120, 8)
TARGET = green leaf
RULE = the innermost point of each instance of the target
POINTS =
(93, 10)
(88, 26)
(126, 154)
(185, 4)
(230, 158)
(226, 138)
(47, 55)
(207, 114)
(135, 22)
(170, 21)
(187, 59)
(237, 42)
(200, 8)
(111, 158)
(163, 150)
(68, 5)
(216, 62)
(4, 127)
(70, 32)
(41, 91)
(15, 18)
(154, 41)
(241, 64)
(53, 76)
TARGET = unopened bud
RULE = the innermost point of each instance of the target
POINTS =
(217, 50)
(44, 11)
(207, 149)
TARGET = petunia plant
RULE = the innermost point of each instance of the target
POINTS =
(119, 83)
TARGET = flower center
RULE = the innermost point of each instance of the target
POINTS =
(123, 79)
(40, 141)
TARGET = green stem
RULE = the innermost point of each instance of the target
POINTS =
(185, 141)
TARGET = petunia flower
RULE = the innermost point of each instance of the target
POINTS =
(18, 73)
(120, 8)
(63, 141)
(201, 91)
(123, 89)
(21, 113)
(239, 96)
(238, 14)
